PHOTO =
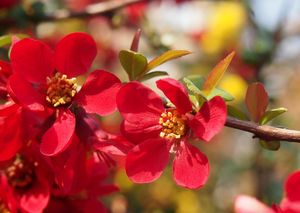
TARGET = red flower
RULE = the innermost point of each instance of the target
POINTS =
(4, 4)
(7, 200)
(110, 148)
(11, 132)
(17, 126)
(5, 72)
(289, 204)
(88, 176)
(247, 204)
(158, 131)
(26, 185)
(44, 79)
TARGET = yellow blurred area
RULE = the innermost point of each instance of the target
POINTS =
(235, 85)
(163, 196)
(187, 201)
(223, 27)
(122, 181)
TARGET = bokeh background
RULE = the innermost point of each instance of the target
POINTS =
(266, 37)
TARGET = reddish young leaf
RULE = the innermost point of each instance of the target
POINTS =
(135, 41)
(257, 100)
(216, 74)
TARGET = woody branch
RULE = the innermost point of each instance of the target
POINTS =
(265, 132)
(102, 8)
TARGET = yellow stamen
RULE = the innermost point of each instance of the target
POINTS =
(61, 89)
(20, 174)
(173, 124)
(3, 208)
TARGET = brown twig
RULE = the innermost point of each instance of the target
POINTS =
(91, 10)
(265, 132)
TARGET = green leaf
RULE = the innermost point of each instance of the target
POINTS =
(271, 114)
(270, 145)
(257, 100)
(219, 92)
(194, 83)
(7, 39)
(133, 63)
(167, 56)
(236, 113)
(216, 74)
(153, 74)
(197, 101)
(193, 87)
(196, 95)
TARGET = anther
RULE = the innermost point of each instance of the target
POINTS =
(173, 125)
(61, 89)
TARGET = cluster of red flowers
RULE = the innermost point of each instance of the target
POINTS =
(55, 157)
(289, 204)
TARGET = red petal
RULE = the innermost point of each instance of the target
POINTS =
(288, 206)
(292, 186)
(190, 167)
(176, 93)
(32, 59)
(139, 105)
(37, 197)
(75, 53)
(88, 206)
(210, 119)
(137, 133)
(10, 132)
(59, 136)
(24, 93)
(98, 94)
(7, 195)
(247, 204)
(146, 161)
(117, 147)
(67, 166)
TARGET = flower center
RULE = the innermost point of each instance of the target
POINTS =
(20, 174)
(173, 125)
(60, 90)
(3, 208)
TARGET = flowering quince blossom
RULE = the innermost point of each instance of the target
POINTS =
(25, 184)
(5, 72)
(84, 177)
(44, 80)
(158, 131)
(110, 148)
(17, 126)
(289, 204)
